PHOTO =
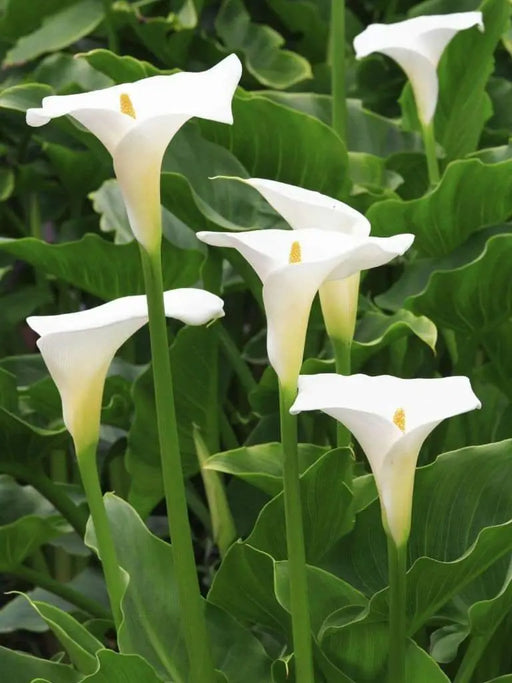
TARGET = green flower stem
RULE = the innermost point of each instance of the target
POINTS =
(295, 541)
(62, 590)
(337, 60)
(86, 458)
(113, 43)
(430, 150)
(192, 612)
(342, 352)
(397, 563)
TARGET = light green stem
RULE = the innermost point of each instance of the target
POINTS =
(234, 357)
(342, 349)
(337, 46)
(192, 612)
(62, 590)
(397, 564)
(86, 458)
(301, 627)
(113, 43)
(430, 150)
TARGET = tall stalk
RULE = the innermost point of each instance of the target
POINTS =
(342, 350)
(397, 564)
(337, 60)
(301, 623)
(192, 611)
(430, 150)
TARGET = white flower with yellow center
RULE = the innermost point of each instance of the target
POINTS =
(136, 121)
(417, 45)
(79, 347)
(390, 418)
(305, 209)
(292, 264)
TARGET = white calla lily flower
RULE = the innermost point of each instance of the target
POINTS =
(136, 121)
(390, 418)
(292, 264)
(79, 347)
(417, 45)
(303, 209)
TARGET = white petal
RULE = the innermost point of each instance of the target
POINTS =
(339, 299)
(304, 209)
(371, 252)
(417, 45)
(78, 348)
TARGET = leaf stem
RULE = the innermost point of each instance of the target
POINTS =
(86, 457)
(295, 541)
(113, 42)
(192, 611)
(397, 564)
(62, 590)
(430, 150)
(234, 356)
(337, 43)
(342, 355)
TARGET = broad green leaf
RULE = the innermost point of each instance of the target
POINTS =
(22, 16)
(101, 268)
(479, 299)
(114, 667)
(20, 501)
(57, 31)
(61, 69)
(192, 359)
(19, 539)
(121, 69)
(80, 645)
(460, 527)
(24, 668)
(307, 20)
(78, 171)
(471, 196)
(284, 144)
(22, 97)
(376, 330)
(151, 626)
(262, 465)
(261, 47)
(8, 391)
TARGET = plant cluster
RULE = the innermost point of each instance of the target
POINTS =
(207, 472)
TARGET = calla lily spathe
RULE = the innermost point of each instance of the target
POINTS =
(136, 121)
(417, 45)
(304, 209)
(292, 264)
(391, 418)
(79, 347)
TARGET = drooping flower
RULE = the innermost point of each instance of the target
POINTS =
(417, 45)
(79, 347)
(390, 418)
(305, 209)
(136, 121)
(292, 264)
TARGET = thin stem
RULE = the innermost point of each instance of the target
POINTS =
(430, 150)
(342, 355)
(337, 39)
(397, 563)
(62, 590)
(234, 356)
(113, 43)
(106, 549)
(192, 612)
(295, 542)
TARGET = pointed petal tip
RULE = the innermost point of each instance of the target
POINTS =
(35, 117)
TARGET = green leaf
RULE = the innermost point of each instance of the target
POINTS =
(8, 391)
(261, 47)
(375, 330)
(152, 624)
(262, 465)
(284, 144)
(192, 358)
(471, 196)
(114, 667)
(21, 538)
(24, 668)
(101, 268)
(121, 69)
(479, 299)
(57, 31)
(24, 96)
(80, 645)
